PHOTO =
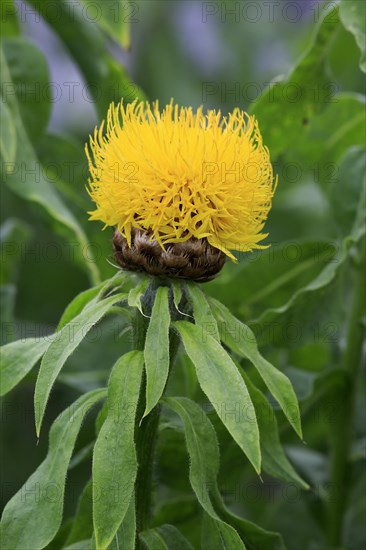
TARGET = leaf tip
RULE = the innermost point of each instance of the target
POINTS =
(38, 424)
(298, 430)
(256, 462)
(38, 417)
(144, 416)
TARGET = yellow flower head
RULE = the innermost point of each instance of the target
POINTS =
(180, 174)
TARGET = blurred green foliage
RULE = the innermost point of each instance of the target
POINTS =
(296, 296)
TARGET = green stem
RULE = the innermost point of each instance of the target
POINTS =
(146, 434)
(146, 437)
(342, 437)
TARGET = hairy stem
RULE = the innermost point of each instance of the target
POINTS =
(342, 436)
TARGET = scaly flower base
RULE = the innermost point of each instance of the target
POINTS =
(194, 259)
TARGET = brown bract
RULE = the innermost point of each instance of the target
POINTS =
(194, 259)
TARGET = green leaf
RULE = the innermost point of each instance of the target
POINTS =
(33, 516)
(18, 358)
(114, 18)
(183, 510)
(156, 350)
(297, 314)
(177, 292)
(215, 535)
(26, 179)
(202, 313)
(165, 537)
(126, 535)
(7, 307)
(289, 295)
(63, 157)
(84, 453)
(353, 17)
(204, 461)
(65, 342)
(115, 463)
(9, 20)
(14, 234)
(107, 80)
(82, 524)
(125, 538)
(204, 466)
(202, 448)
(8, 138)
(253, 535)
(77, 305)
(335, 136)
(80, 545)
(58, 542)
(29, 71)
(347, 195)
(341, 125)
(244, 344)
(221, 382)
(287, 107)
(271, 276)
(274, 459)
(136, 294)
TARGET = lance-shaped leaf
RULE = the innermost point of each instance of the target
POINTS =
(204, 460)
(81, 532)
(286, 107)
(24, 176)
(125, 538)
(94, 294)
(221, 381)
(202, 448)
(204, 456)
(82, 523)
(108, 80)
(33, 516)
(347, 195)
(271, 277)
(165, 537)
(299, 310)
(177, 292)
(77, 305)
(126, 534)
(216, 535)
(137, 293)
(115, 18)
(82, 455)
(115, 462)
(157, 349)
(65, 342)
(253, 535)
(18, 358)
(28, 65)
(241, 340)
(202, 313)
(341, 125)
(274, 460)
